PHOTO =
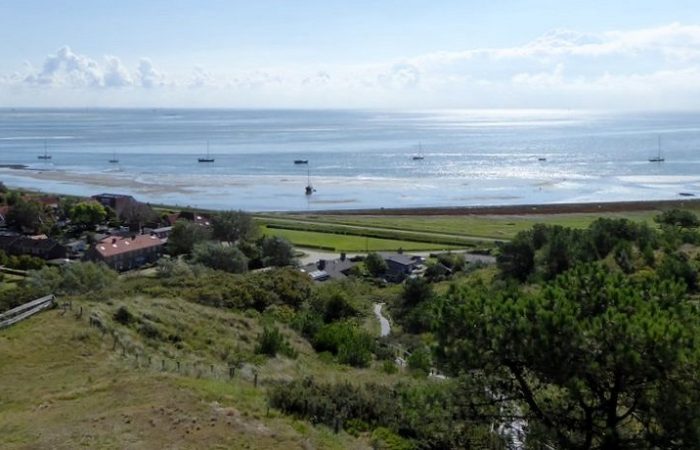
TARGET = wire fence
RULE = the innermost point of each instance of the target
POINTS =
(150, 359)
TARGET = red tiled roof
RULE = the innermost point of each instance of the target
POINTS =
(114, 245)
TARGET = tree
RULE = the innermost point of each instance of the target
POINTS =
(278, 252)
(232, 226)
(678, 218)
(87, 214)
(597, 359)
(516, 258)
(219, 257)
(185, 235)
(28, 215)
(375, 264)
(137, 214)
(416, 291)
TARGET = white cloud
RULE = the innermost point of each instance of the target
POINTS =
(148, 76)
(656, 66)
(67, 69)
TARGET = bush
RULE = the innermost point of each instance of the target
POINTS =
(123, 316)
(420, 360)
(389, 367)
(149, 330)
(219, 257)
(349, 343)
(271, 341)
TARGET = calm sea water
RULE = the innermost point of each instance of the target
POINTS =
(357, 159)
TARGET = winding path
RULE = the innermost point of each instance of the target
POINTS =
(384, 325)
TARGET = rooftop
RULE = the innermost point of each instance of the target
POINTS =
(114, 245)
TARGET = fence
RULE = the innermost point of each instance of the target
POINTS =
(142, 358)
(27, 310)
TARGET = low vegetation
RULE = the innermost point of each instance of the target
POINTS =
(580, 338)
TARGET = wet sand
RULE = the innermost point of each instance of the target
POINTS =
(337, 195)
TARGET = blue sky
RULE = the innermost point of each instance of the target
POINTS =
(385, 54)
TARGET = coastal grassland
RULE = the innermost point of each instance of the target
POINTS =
(349, 243)
(66, 387)
(465, 227)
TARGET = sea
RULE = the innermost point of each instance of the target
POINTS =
(357, 159)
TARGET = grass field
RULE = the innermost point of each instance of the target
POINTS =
(474, 226)
(349, 243)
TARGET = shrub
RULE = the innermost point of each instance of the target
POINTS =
(271, 341)
(349, 343)
(420, 360)
(389, 367)
(149, 330)
(219, 257)
(123, 316)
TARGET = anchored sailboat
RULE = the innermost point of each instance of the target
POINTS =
(208, 159)
(114, 159)
(309, 188)
(46, 154)
(419, 156)
(658, 158)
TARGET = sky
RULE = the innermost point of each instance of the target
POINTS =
(389, 54)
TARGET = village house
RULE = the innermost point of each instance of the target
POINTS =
(117, 202)
(37, 246)
(334, 269)
(126, 253)
(400, 265)
(162, 232)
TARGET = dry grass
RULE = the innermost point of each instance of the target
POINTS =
(64, 387)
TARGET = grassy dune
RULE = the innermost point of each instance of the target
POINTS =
(65, 387)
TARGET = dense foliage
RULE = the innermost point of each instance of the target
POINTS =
(185, 235)
(595, 356)
(432, 416)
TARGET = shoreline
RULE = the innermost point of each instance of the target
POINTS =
(183, 195)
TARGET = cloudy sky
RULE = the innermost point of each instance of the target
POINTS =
(618, 54)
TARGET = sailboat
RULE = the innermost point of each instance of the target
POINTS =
(658, 158)
(309, 189)
(46, 154)
(208, 159)
(419, 156)
(114, 159)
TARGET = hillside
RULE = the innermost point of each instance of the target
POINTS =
(66, 388)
